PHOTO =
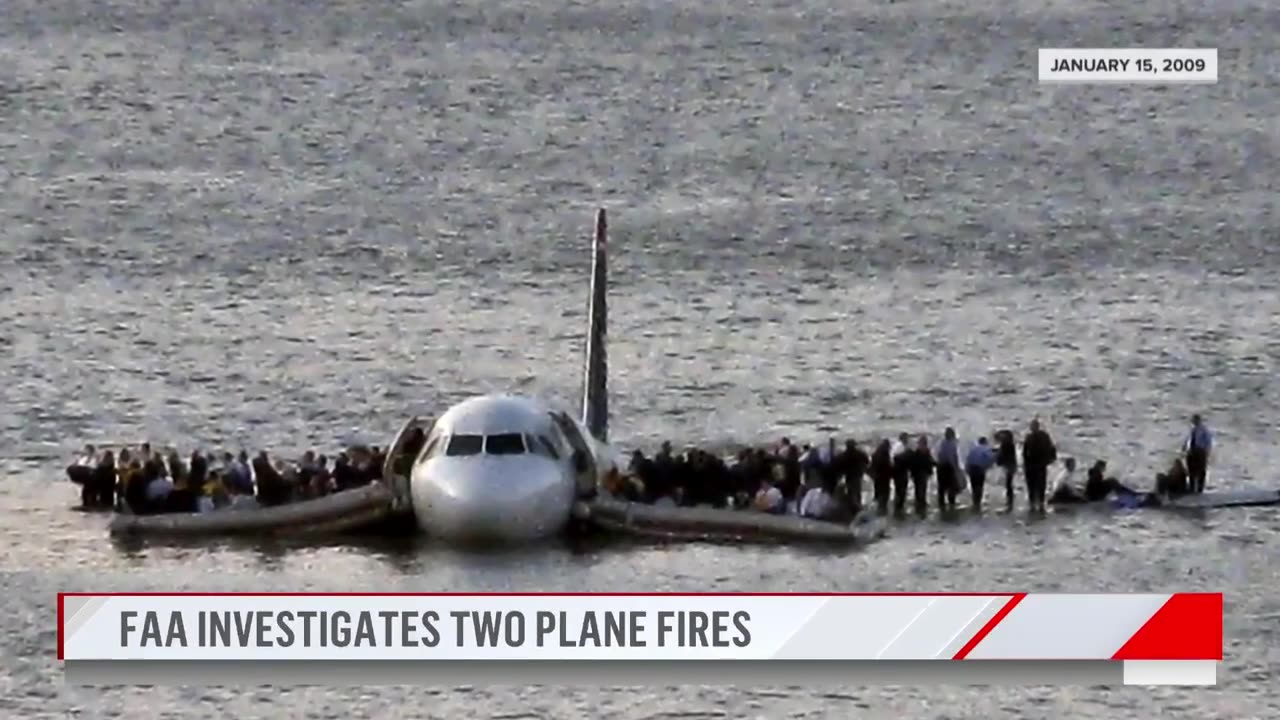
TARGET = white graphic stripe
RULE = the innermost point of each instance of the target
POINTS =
(933, 630)
(905, 628)
(82, 616)
(990, 610)
(795, 640)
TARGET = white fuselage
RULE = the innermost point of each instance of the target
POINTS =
(497, 469)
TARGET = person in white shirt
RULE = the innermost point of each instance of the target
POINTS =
(80, 472)
(157, 492)
(980, 459)
(900, 453)
(1064, 487)
(820, 503)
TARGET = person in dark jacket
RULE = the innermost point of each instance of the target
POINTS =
(1007, 461)
(852, 464)
(1098, 485)
(272, 488)
(103, 482)
(921, 465)
(1038, 453)
(197, 469)
(881, 472)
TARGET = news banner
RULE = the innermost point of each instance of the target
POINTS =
(370, 638)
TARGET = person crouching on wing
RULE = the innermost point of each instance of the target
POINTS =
(769, 499)
(1064, 486)
(979, 460)
(820, 503)
(1098, 486)
(1173, 483)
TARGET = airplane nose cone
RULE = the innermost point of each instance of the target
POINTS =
(492, 501)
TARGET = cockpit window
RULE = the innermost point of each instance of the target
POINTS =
(465, 445)
(548, 447)
(540, 445)
(505, 444)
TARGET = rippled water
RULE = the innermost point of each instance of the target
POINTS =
(295, 223)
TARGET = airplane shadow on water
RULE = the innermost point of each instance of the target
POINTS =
(413, 554)
(408, 555)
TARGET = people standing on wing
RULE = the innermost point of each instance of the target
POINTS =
(901, 454)
(1198, 446)
(664, 472)
(177, 469)
(979, 460)
(881, 472)
(852, 465)
(103, 482)
(948, 468)
(922, 464)
(809, 464)
(1038, 453)
(1007, 460)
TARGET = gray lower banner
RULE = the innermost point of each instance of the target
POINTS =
(620, 672)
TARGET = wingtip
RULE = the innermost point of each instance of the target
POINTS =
(602, 224)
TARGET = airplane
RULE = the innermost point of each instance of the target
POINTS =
(509, 469)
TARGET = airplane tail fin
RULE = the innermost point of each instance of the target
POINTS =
(595, 391)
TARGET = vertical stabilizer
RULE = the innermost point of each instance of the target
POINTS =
(595, 391)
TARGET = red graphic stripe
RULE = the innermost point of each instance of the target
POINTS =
(60, 620)
(1187, 627)
(991, 625)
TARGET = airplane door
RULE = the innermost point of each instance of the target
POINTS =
(395, 468)
(585, 475)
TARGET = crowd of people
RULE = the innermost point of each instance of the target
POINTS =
(146, 481)
(829, 483)
(822, 482)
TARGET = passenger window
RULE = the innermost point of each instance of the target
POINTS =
(549, 446)
(465, 445)
(505, 444)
